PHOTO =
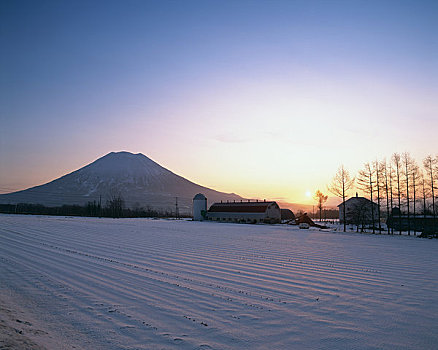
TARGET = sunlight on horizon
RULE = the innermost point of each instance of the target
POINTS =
(262, 99)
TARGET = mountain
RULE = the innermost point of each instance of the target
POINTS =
(139, 180)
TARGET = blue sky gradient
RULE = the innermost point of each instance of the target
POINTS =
(200, 86)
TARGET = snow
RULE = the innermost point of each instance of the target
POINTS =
(167, 284)
(124, 163)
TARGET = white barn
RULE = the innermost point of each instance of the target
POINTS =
(245, 212)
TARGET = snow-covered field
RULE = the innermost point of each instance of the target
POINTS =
(156, 284)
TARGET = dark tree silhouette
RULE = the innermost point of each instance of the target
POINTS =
(340, 185)
(387, 185)
(366, 183)
(407, 164)
(115, 205)
(415, 181)
(320, 200)
(379, 184)
(396, 160)
(359, 214)
(430, 166)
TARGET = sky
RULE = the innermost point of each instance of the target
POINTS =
(261, 98)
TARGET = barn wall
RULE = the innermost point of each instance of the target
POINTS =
(237, 217)
(273, 212)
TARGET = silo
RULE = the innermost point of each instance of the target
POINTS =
(199, 207)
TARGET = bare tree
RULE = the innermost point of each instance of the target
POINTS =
(396, 160)
(407, 165)
(379, 184)
(386, 185)
(115, 205)
(359, 214)
(391, 191)
(430, 166)
(320, 200)
(424, 193)
(415, 180)
(340, 185)
(366, 182)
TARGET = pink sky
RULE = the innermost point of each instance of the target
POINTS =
(264, 99)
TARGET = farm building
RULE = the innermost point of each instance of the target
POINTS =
(242, 212)
(199, 207)
(245, 212)
(287, 215)
(420, 223)
(359, 211)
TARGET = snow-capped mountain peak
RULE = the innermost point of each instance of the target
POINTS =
(139, 180)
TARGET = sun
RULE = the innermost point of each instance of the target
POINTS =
(308, 194)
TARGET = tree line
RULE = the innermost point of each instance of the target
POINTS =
(114, 208)
(399, 182)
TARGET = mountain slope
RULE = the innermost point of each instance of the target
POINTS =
(139, 180)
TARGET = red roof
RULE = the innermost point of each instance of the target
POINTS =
(240, 207)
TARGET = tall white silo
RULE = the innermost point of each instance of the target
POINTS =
(199, 207)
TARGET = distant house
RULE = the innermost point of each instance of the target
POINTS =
(245, 212)
(358, 211)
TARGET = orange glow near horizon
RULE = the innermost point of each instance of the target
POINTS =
(265, 100)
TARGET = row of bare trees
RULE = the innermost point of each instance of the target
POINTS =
(399, 182)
